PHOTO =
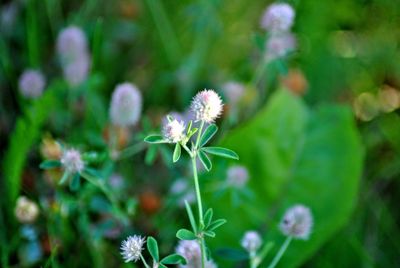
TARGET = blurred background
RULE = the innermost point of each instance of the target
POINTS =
(318, 124)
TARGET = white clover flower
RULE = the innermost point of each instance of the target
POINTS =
(279, 45)
(73, 51)
(131, 248)
(31, 83)
(190, 250)
(126, 105)
(75, 72)
(72, 161)
(278, 17)
(26, 211)
(297, 222)
(233, 91)
(206, 106)
(71, 43)
(174, 131)
(251, 241)
(237, 176)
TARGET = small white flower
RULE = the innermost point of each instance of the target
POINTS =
(297, 222)
(26, 210)
(278, 17)
(126, 105)
(279, 45)
(72, 161)
(73, 52)
(251, 241)
(174, 131)
(206, 106)
(31, 83)
(131, 248)
(233, 91)
(237, 176)
(190, 250)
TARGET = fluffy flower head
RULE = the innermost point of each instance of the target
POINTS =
(279, 45)
(297, 222)
(206, 106)
(251, 241)
(278, 17)
(72, 161)
(233, 91)
(126, 105)
(190, 250)
(237, 176)
(26, 210)
(71, 43)
(131, 248)
(174, 131)
(31, 83)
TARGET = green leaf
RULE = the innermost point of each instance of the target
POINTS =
(155, 139)
(152, 246)
(208, 217)
(209, 233)
(205, 160)
(75, 182)
(295, 155)
(174, 259)
(208, 134)
(48, 164)
(223, 152)
(215, 224)
(184, 234)
(64, 178)
(191, 217)
(177, 153)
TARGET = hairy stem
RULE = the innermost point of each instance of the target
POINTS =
(280, 253)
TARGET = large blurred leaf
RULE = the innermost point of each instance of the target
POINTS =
(295, 155)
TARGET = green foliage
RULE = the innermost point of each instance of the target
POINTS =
(296, 155)
(26, 133)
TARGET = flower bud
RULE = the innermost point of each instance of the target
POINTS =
(174, 131)
(251, 241)
(126, 105)
(72, 161)
(26, 210)
(297, 222)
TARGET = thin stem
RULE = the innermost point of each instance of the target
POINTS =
(187, 150)
(144, 261)
(282, 250)
(253, 263)
(200, 207)
(199, 134)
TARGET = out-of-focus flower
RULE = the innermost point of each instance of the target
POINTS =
(237, 176)
(206, 106)
(131, 248)
(278, 17)
(233, 91)
(72, 161)
(251, 241)
(50, 149)
(174, 131)
(116, 182)
(26, 210)
(366, 106)
(126, 105)
(389, 99)
(190, 250)
(280, 45)
(183, 191)
(76, 71)
(74, 55)
(297, 222)
(295, 81)
(8, 16)
(31, 83)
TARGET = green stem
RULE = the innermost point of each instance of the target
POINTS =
(282, 250)
(253, 263)
(144, 261)
(198, 195)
